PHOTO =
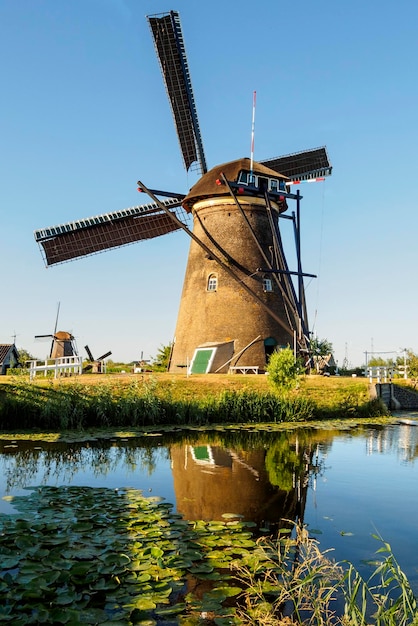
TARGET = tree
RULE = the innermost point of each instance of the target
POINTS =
(24, 355)
(412, 367)
(162, 360)
(283, 370)
(377, 361)
(320, 347)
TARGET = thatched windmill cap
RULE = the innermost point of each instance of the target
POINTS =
(208, 187)
(62, 335)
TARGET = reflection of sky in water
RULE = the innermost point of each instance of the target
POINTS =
(368, 484)
(117, 468)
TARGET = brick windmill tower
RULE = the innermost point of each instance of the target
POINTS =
(240, 300)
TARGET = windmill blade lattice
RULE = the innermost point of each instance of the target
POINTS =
(302, 166)
(170, 49)
(111, 230)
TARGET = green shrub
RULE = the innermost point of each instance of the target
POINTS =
(283, 371)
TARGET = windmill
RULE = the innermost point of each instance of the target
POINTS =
(62, 342)
(240, 299)
(95, 365)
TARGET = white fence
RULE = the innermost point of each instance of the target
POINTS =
(386, 374)
(62, 366)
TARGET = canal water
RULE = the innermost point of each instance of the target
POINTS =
(346, 484)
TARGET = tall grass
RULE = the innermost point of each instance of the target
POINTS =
(146, 403)
(291, 581)
(386, 595)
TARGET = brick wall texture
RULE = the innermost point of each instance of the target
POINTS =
(229, 313)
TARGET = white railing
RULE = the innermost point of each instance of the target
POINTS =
(63, 365)
(244, 369)
(384, 374)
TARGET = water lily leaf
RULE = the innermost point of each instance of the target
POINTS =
(41, 615)
(105, 584)
(225, 592)
(171, 610)
(65, 598)
(221, 563)
(203, 568)
(179, 562)
(226, 621)
(9, 562)
(138, 566)
(157, 552)
(215, 527)
(80, 568)
(145, 604)
(138, 617)
(116, 559)
(143, 578)
(84, 554)
(25, 542)
(194, 555)
(92, 616)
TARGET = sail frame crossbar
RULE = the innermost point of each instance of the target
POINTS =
(305, 165)
(171, 53)
(54, 231)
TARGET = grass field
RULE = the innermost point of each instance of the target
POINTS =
(324, 392)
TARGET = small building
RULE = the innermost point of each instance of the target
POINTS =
(9, 357)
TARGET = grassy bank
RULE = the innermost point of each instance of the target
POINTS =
(158, 399)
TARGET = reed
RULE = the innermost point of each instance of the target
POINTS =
(149, 402)
(291, 582)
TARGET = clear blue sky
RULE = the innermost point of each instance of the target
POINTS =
(84, 115)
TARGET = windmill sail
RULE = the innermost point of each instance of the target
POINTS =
(111, 230)
(305, 165)
(169, 45)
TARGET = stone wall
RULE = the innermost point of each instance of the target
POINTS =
(397, 396)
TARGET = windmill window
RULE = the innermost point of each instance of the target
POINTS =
(267, 284)
(243, 178)
(273, 185)
(212, 282)
(263, 183)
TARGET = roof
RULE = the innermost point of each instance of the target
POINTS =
(207, 186)
(5, 348)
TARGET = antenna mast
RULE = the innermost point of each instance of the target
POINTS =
(56, 319)
(252, 138)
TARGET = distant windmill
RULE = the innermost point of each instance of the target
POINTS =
(95, 365)
(240, 300)
(62, 342)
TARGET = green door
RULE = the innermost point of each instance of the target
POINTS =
(201, 360)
